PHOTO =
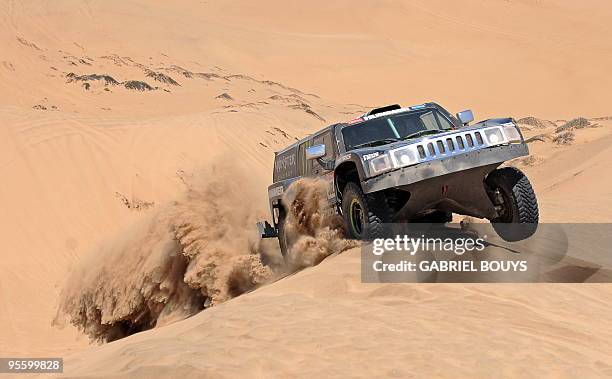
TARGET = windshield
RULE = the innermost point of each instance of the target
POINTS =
(383, 130)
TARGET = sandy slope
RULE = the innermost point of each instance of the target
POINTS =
(324, 321)
(61, 208)
(499, 57)
(80, 165)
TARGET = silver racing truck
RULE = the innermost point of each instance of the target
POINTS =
(413, 164)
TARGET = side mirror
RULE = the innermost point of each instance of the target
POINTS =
(465, 117)
(316, 151)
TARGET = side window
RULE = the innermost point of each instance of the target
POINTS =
(303, 163)
(428, 119)
(443, 121)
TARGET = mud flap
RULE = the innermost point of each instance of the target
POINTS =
(266, 230)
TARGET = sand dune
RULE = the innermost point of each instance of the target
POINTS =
(111, 111)
(369, 54)
(324, 321)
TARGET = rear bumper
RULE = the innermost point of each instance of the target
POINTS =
(478, 158)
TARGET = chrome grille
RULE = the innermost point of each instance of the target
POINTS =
(450, 144)
(421, 150)
(459, 142)
(431, 150)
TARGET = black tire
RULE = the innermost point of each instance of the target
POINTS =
(512, 192)
(283, 239)
(364, 215)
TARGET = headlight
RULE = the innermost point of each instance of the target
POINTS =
(380, 164)
(403, 156)
(494, 136)
(512, 133)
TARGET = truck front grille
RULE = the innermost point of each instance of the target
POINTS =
(460, 142)
(448, 145)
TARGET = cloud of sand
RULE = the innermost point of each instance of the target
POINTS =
(179, 259)
(314, 229)
(194, 253)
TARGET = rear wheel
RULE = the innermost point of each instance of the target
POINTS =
(284, 239)
(364, 215)
(516, 204)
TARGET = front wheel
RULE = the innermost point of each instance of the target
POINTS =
(364, 214)
(516, 204)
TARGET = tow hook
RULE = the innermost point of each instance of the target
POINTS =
(266, 230)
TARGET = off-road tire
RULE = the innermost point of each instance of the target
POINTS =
(283, 240)
(520, 215)
(375, 212)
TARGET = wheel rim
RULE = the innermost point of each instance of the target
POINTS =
(357, 217)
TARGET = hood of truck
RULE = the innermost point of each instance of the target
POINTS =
(438, 146)
(474, 127)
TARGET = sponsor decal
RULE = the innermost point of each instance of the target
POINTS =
(284, 163)
(370, 156)
(395, 111)
(276, 191)
(387, 113)
(343, 158)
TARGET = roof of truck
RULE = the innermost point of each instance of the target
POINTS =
(373, 113)
(307, 137)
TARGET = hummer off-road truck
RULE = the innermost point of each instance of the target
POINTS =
(413, 164)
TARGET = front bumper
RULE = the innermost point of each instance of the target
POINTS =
(431, 169)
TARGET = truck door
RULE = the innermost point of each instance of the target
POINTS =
(325, 139)
(322, 172)
(304, 165)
